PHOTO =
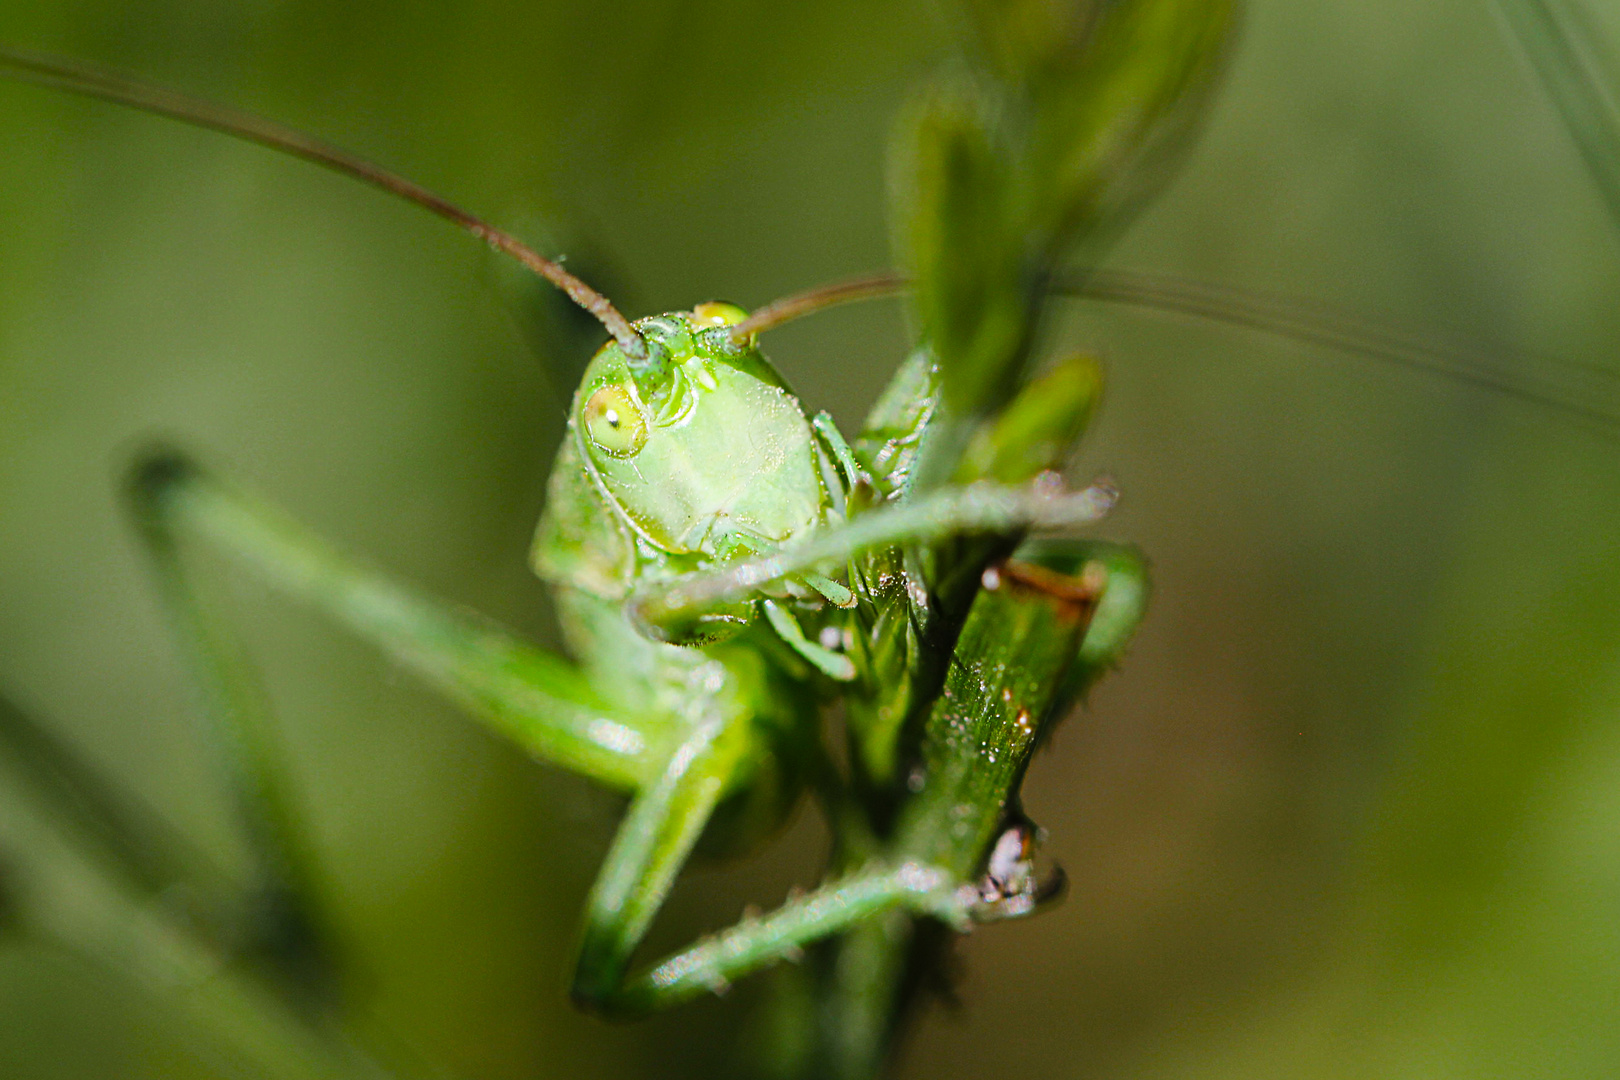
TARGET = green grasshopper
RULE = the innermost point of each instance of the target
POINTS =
(697, 710)
(724, 566)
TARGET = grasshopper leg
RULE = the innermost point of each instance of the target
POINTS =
(540, 700)
(757, 942)
(652, 844)
(530, 695)
(283, 919)
(980, 508)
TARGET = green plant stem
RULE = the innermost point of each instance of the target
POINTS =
(1014, 657)
(863, 1012)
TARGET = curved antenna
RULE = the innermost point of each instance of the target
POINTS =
(798, 305)
(75, 78)
(1585, 391)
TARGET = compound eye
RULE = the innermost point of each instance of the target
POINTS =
(718, 313)
(614, 422)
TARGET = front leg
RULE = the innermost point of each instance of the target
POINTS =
(651, 846)
(682, 766)
(981, 508)
(1034, 642)
(537, 699)
(532, 696)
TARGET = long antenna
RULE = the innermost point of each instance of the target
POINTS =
(1585, 391)
(92, 82)
(785, 310)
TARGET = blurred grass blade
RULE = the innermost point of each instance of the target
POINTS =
(963, 247)
(1112, 93)
(1076, 113)
(61, 891)
(1563, 49)
(151, 856)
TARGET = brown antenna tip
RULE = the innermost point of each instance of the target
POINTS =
(820, 298)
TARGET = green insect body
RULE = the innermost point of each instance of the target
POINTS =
(693, 456)
(696, 456)
(726, 570)
(673, 464)
(714, 737)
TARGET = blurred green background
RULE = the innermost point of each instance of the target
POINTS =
(1352, 808)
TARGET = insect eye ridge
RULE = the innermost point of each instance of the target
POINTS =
(614, 422)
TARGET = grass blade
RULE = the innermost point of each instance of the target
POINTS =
(1563, 50)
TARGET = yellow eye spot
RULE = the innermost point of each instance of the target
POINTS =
(718, 313)
(614, 422)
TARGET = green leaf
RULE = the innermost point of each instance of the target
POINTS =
(1077, 115)
(954, 198)
(1564, 54)
(1039, 428)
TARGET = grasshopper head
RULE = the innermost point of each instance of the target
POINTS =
(699, 446)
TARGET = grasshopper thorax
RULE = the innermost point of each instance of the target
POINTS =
(699, 446)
